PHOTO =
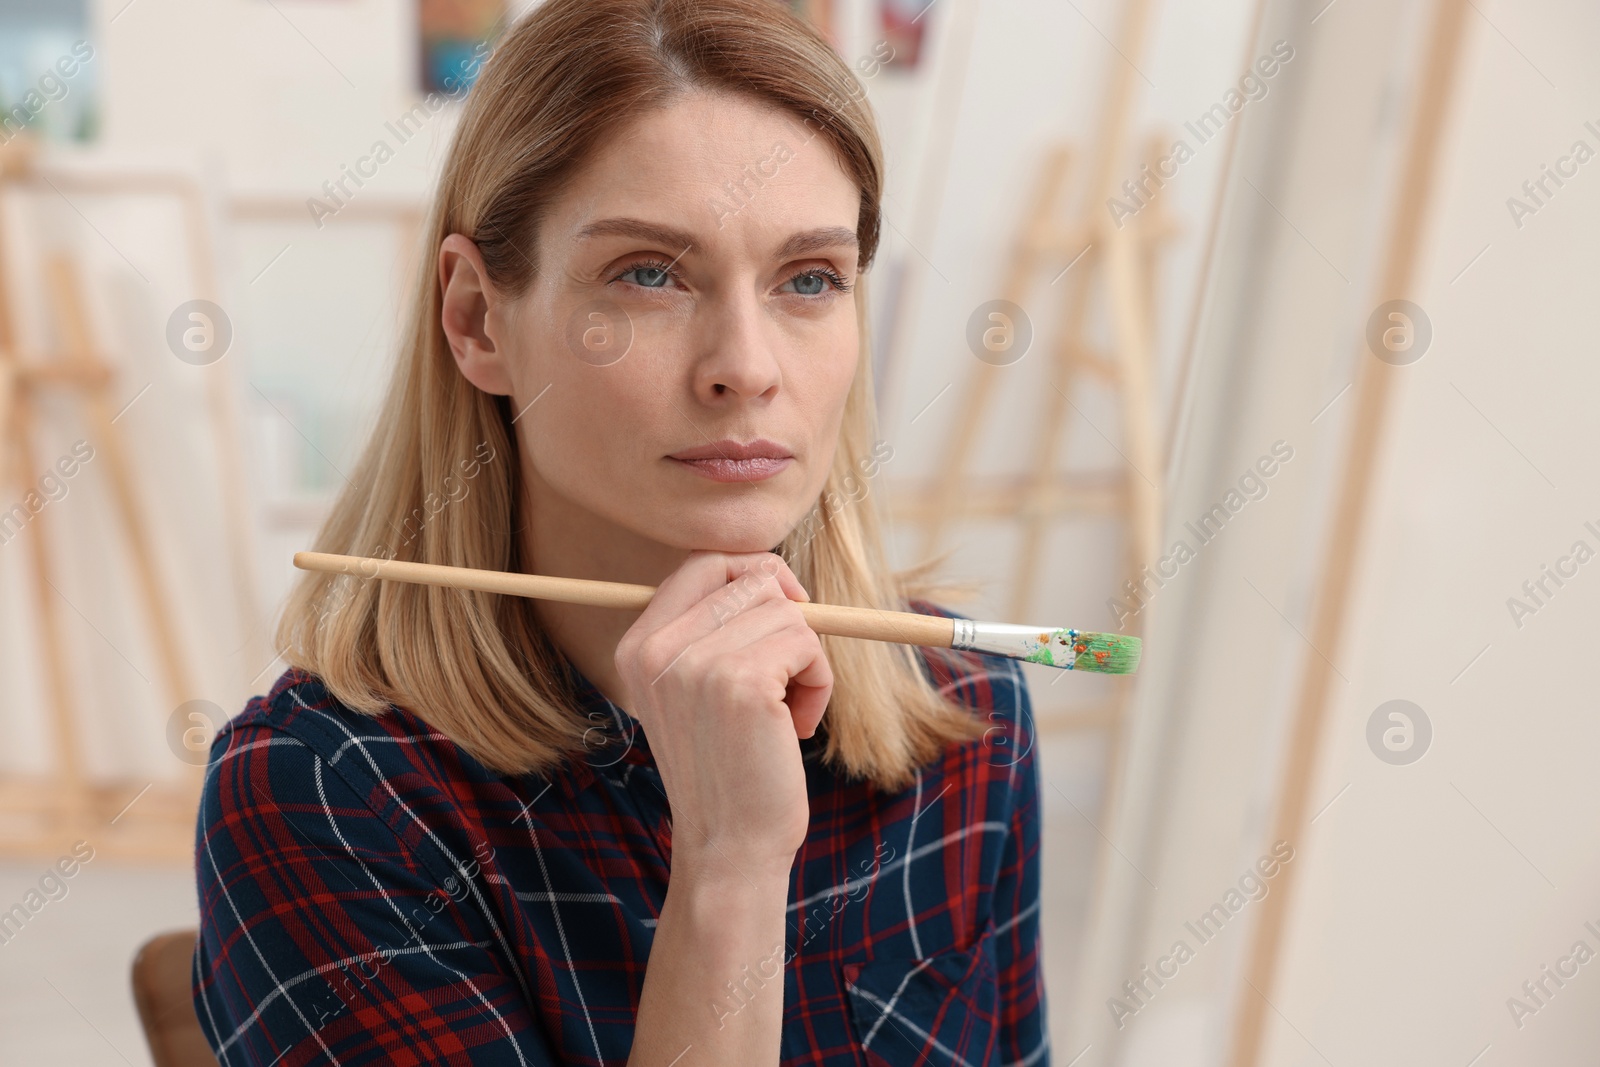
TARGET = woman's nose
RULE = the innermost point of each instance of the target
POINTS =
(736, 353)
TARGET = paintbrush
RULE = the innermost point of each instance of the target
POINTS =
(1081, 650)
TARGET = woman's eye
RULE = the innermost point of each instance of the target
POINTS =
(810, 284)
(816, 282)
(650, 276)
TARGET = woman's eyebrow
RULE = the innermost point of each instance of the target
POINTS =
(818, 240)
(799, 244)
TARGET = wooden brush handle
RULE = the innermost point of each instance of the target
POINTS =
(904, 626)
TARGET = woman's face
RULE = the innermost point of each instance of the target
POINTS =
(692, 298)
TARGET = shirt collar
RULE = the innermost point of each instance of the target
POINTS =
(614, 736)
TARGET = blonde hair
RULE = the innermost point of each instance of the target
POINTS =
(478, 667)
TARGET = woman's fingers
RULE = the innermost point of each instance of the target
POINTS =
(700, 575)
(810, 682)
(712, 590)
(785, 643)
(709, 588)
(809, 692)
(795, 648)
(724, 674)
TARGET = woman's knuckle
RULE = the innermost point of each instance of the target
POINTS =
(651, 653)
(693, 661)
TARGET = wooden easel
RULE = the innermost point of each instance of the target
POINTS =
(1074, 250)
(66, 805)
(1094, 248)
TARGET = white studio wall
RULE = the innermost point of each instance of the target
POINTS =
(1407, 846)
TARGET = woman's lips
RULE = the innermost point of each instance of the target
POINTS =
(728, 460)
(722, 469)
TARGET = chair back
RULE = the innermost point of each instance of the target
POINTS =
(163, 994)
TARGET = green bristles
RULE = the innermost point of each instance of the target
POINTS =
(1106, 653)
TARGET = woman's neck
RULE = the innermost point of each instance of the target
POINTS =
(561, 538)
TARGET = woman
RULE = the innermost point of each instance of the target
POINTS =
(471, 829)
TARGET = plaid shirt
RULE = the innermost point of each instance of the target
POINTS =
(370, 893)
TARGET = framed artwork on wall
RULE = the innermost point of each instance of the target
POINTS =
(451, 34)
(902, 25)
(48, 71)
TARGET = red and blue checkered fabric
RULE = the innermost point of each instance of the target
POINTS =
(372, 894)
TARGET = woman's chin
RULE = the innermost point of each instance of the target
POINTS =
(724, 528)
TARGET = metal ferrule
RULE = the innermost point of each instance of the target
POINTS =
(1036, 644)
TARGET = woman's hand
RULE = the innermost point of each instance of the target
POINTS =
(725, 676)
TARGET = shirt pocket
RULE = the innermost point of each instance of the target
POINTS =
(943, 1009)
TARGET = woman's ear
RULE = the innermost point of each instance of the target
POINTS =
(467, 297)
